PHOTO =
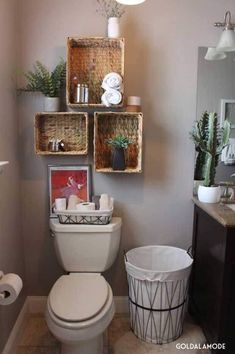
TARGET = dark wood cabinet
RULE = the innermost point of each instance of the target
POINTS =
(212, 288)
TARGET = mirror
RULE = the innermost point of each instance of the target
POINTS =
(216, 82)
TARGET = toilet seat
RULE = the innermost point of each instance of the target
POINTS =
(78, 297)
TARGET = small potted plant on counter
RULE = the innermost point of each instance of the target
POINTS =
(48, 83)
(212, 143)
(120, 144)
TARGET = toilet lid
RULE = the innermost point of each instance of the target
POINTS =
(78, 297)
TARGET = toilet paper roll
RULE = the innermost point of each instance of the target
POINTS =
(73, 201)
(85, 206)
(10, 287)
(60, 203)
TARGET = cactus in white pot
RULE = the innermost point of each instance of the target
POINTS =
(201, 156)
(214, 142)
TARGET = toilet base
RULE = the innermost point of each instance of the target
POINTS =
(94, 346)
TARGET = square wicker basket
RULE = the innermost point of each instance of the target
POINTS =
(90, 59)
(72, 128)
(109, 124)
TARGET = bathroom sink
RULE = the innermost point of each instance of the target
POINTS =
(231, 206)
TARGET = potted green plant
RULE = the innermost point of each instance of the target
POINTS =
(212, 144)
(201, 156)
(48, 83)
(120, 144)
(113, 12)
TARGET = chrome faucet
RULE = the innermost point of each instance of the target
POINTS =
(227, 190)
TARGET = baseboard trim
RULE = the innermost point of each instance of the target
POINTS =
(37, 304)
(15, 334)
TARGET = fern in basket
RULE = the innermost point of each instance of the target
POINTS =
(48, 83)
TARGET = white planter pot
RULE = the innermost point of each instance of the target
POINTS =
(196, 184)
(209, 194)
(51, 104)
(113, 27)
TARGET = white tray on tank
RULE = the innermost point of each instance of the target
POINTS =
(91, 217)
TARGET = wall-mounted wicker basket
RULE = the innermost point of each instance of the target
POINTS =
(108, 125)
(90, 59)
(71, 127)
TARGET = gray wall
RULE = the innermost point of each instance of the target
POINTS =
(162, 40)
(11, 242)
(216, 81)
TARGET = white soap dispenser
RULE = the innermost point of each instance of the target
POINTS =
(104, 202)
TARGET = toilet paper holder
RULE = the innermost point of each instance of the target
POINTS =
(10, 288)
(4, 294)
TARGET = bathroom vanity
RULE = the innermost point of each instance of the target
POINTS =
(212, 288)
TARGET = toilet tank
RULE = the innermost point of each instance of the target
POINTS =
(86, 248)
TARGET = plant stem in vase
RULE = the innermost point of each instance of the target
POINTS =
(51, 104)
(120, 144)
(118, 163)
(113, 11)
(113, 27)
(48, 83)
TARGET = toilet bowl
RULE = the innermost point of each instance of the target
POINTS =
(80, 305)
(79, 309)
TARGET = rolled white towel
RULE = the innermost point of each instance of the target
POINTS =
(111, 97)
(112, 81)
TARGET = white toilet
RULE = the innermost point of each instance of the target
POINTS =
(80, 305)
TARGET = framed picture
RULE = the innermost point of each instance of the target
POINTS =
(228, 111)
(69, 180)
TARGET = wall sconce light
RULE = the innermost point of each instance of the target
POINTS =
(227, 39)
(213, 54)
(130, 2)
(226, 42)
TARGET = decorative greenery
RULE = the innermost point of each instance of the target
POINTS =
(110, 8)
(119, 142)
(41, 80)
(201, 157)
(211, 140)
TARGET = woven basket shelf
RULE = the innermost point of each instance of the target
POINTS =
(72, 128)
(90, 59)
(110, 124)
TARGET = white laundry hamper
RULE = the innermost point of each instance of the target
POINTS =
(158, 278)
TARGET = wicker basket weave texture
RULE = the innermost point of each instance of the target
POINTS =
(90, 60)
(70, 128)
(109, 126)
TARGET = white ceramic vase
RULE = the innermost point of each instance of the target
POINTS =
(51, 104)
(113, 27)
(209, 194)
(196, 184)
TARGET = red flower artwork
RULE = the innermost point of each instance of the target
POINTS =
(69, 182)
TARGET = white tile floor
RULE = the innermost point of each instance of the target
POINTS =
(36, 339)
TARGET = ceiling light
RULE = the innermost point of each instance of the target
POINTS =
(227, 39)
(130, 2)
(213, 54)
